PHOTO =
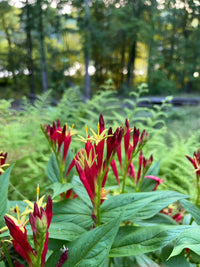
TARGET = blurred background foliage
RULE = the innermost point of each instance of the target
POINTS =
(57, 44)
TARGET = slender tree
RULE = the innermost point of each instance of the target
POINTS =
(29, 45)
(41, 37)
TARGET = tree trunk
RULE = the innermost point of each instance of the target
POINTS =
(10, 52)
(42, 49)
(29, 52)
(131, 63)
(87, 49)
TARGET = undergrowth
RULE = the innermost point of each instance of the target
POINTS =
(22, 138)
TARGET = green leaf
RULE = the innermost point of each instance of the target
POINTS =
(4, 182)
(159, 218)
(133, 240)
(92, 248)
(138, 205)
(53, 172)
(68, 161)
(59, 188)
(145, 261)
(80, 190)
(178, 261)
(190, 238)
(73, 210)
(2, 264)
(149, 184)
(192, 209)
(65, 231)
(7, 254)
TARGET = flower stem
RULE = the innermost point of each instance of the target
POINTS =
(97, 210)
(126, 164)
(60, 166)
(198, 192)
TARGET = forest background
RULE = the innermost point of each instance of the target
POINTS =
(99, 44)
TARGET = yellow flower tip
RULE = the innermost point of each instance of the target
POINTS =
(27, 210)
(86, 130)
(17, 211)
(98, 127)
(29, 203)
(38, 192)
(3, 229)
(104, 193)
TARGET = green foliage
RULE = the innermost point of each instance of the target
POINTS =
(134, 231)
(22, 138)
(4, 181)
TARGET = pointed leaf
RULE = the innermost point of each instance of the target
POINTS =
(149, 184)
(138, 205)
(190, 238)
(80, 190)
(92, 248)
(68, 161)
(145, 261)
(133, 241)
(59, 188)
(4, 182)
(65, 231)
(73, 210)
(192, 209)
(53, 169)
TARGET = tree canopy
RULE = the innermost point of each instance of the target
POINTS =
(93, 44)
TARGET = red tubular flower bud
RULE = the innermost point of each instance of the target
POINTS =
(63, 257)
(101, 124)
(114, 168)
(136, 134)
(195, 162)
(127, 137)
(20, 242)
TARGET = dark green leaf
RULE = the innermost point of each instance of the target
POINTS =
(80, 190)
(192, 209)
(65, 231)
(4, 182)
(138, 205)
(59, 188)
(149, 184)
(145, 261)
(133, 241)
(53, 172)
(73, 210)
(68, 161)
(92, 248)
(159, 218)
(190, 238)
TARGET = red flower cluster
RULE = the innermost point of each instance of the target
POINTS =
(90, 164)
(131, 148)
(195, 162)
(60, 136)
(40, 220)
